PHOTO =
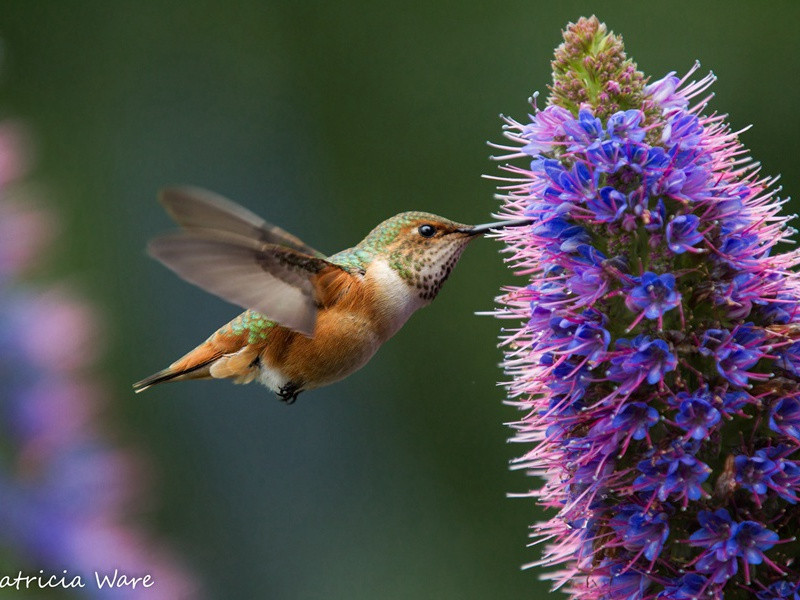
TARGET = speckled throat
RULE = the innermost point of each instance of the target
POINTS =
(426, 269)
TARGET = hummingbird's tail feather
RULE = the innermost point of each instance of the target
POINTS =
(210, 360)
(200, 371)
(195, 364)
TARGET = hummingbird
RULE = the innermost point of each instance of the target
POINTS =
(309, 319)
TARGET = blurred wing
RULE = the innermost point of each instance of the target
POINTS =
(195, 208)
(276, 281)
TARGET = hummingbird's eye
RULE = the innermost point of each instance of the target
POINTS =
(427, 230)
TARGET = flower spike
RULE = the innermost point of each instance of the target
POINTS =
(657, 363)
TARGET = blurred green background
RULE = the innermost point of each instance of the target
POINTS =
(327, 117)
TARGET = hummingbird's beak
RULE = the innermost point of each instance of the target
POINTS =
(481, 229)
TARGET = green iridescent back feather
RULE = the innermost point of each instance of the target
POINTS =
(256, 325)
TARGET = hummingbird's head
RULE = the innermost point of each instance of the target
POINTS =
(422, 248)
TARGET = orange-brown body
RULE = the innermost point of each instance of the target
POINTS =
(359, 313)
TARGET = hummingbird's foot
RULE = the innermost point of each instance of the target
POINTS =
(289, 393)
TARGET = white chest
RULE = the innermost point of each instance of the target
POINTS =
(395, 299)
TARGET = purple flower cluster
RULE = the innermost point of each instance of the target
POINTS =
(69, 496)
(658, 364)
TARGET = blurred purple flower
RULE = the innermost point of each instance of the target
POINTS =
(69, 497)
